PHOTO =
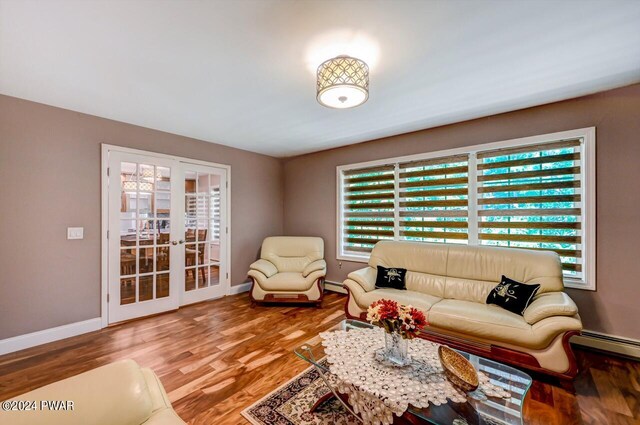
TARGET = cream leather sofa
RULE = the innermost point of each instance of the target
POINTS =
(290, 269)
(451, 283)
(120, 393)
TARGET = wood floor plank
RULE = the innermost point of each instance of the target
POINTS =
(201, 361)
(610, 395)
(191, 386)
(218, 357)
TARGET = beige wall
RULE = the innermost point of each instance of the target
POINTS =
(50, 179)
(310, 190)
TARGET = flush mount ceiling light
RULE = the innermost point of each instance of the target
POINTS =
(343, 82)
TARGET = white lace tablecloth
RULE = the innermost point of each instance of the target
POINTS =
(377, 391)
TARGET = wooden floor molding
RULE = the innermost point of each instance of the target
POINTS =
(218, 357)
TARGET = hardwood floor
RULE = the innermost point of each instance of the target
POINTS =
(216, 358)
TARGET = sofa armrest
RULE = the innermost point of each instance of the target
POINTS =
(365, 277)
(314, 266)
(265, 267)
(550, 304)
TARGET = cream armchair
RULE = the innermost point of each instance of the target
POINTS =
(120, 393)
(290, 269)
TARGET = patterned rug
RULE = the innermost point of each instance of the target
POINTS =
(290, 404)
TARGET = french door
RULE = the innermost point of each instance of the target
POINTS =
(167, 234)
(204, 233)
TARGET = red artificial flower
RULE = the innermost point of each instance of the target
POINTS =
(419, 319)
(388, 309)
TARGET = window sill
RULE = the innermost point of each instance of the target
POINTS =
(353, 258)
(579, 284)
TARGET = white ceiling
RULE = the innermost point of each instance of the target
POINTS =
(240, 73)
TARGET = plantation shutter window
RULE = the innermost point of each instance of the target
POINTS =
(433, 199)
(368, 206)
(533, 193)
(531, 197)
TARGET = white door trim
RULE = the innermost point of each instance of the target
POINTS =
(104, 251)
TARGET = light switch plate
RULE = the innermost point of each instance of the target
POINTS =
(75, 232)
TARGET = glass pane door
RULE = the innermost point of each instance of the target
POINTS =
(142, 275)
(204, 241)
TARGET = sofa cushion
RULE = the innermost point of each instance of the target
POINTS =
(416, 299)
(288, 281)
(492, 323)
(463, 264)
(414, 256)
(467, 289)
(513, 296)
(391, 278)
(426, 283)
(481, 320)
(485, 263)
(292, 253)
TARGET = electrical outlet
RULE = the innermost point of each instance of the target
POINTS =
(75, 232)
(339, 264)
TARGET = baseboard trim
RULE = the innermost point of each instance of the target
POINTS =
(334, 287)
(615, 344)
(21, 342)
(239, 289)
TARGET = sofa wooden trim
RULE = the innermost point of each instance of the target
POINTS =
(492, 351)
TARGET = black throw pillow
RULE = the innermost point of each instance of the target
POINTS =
(391, 277)
(512, 295)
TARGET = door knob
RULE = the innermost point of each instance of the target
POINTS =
(174, 242)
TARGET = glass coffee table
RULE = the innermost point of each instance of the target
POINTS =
(479, 409)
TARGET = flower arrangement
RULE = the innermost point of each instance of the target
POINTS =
(393, 317)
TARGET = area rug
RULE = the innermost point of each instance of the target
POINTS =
(290, 404)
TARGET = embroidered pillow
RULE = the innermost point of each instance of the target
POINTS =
(512, 295)
(391, 277)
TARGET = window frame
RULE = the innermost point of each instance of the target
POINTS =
(587, 177)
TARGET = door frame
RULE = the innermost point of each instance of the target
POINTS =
(104, 219)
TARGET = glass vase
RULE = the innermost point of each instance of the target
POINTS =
(397, 349)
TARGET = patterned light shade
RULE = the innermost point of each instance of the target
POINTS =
(147, 174)
(343, 82)
(131, 186)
